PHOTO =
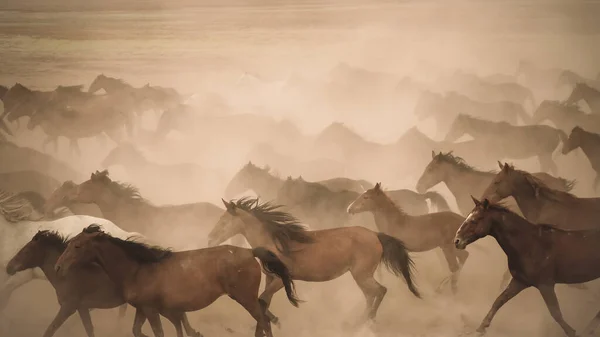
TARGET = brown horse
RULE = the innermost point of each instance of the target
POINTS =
(420, 233)
(565, 116)
(464, 180)
(589, 143)
(542, 204)
(82, 290)
(157, 281)
(123, 205)
(315, 256)
(515, 142)
(539, 256)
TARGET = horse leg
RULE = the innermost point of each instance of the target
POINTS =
(154, 318)
(374, 293)
(512, 290)
(63, 313)
(258, 310)
(138, 322)
(593, 325)
(454, 266)
(175, 318)
(188, 327)
(549, 296)
(86, 319)
(273, 285)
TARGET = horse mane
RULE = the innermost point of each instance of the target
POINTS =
(16, 208)
(459, 162)
(52, 238)
(283, 227)
(542, 189)
(389, 202)
(139, 251)
(122, 190)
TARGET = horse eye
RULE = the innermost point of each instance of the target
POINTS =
(77, 246)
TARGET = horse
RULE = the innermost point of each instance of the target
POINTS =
(539, 255)
(584, 92)
(20, 101)
(181, 281)
(419, 233)
(565, 116)
(570, 78)
(83, 290)
(315, 256)
(464, 180)
(445, 108)
(589, 143)
(267, 186)
(174, 177)
(516, 142)
(122, 204)
(19, 223)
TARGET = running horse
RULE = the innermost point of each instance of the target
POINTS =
(179, 281)
(517, 142)
(586, 93)
(539, 255)
(589, 143)
(315, 256)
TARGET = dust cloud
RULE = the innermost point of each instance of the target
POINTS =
(303, 65)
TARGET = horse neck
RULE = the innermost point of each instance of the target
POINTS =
(458, 178)
(514, 234)
(589, 144)
(526, 199)
(255, 233)
(268, 185)
(51, 255)
(121, 209)
(120, 268)
(476, 127)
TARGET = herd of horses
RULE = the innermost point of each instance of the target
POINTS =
(299, 230)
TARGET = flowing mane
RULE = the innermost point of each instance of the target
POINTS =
(282, 226)
(120, 189)
(52, 238)
(459, 162)
(16, 208)
(140, 252)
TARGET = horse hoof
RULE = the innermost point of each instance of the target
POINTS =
(276, 322)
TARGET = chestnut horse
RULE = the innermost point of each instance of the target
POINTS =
(539, 256)
(157, 281)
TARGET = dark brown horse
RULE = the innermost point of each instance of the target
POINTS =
(542, 204)
(315, 256)
(419, 233)
(589, 143)
(539, 256)
(157, 281)
(82, 290)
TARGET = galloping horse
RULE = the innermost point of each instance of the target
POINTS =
(589, 143)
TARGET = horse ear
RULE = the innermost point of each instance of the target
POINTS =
(225, 203)
(378, 186)
(432, 154)
(500, 165)
(476, 202)
(506, 167)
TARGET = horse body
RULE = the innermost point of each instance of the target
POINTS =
(123, 204)
(516, 142)
(565, 116)
(309, 255)
(420, 233)
(584, 92)
(158, 281)
(539, 256)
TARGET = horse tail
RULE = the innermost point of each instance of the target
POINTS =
(397, 260)
(272, 265)
(437, 200)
